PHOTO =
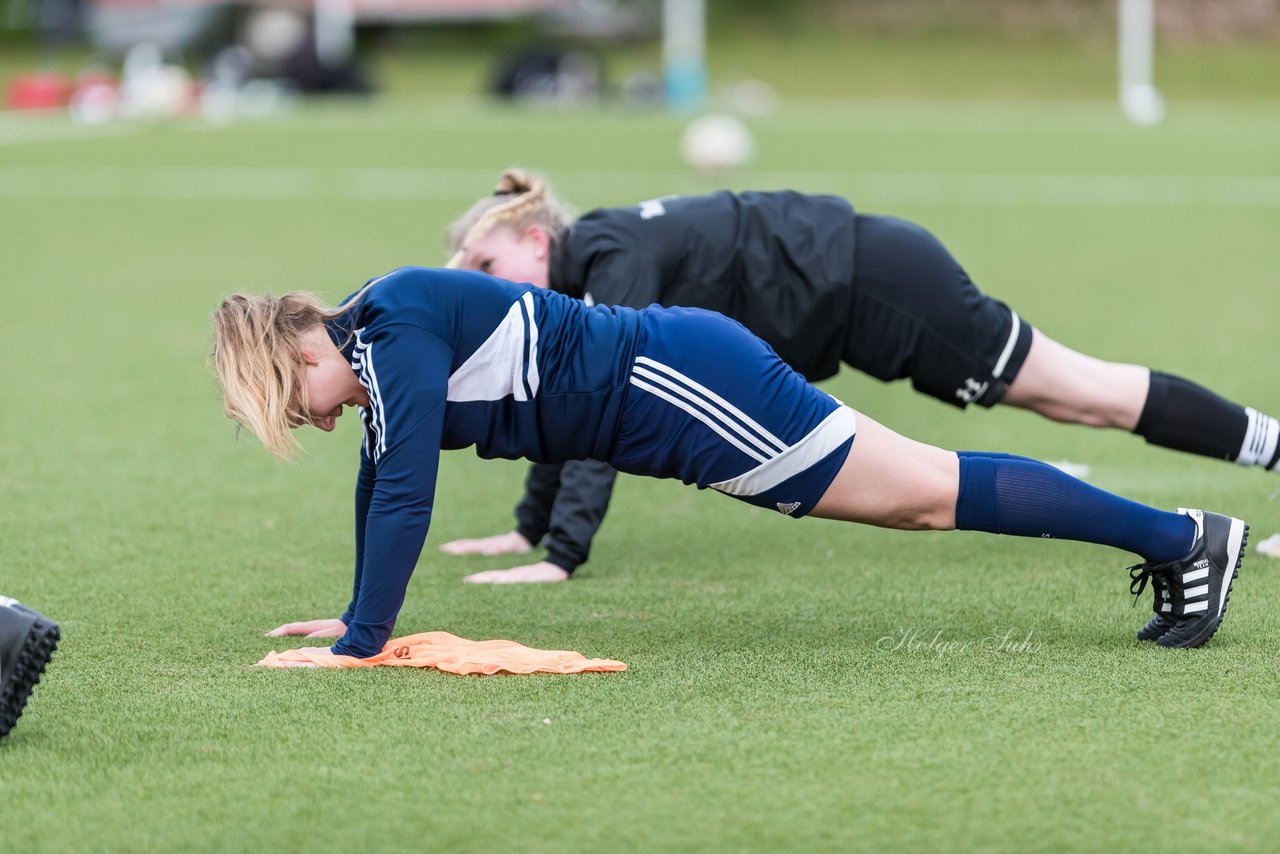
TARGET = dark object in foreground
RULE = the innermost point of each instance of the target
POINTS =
(27, 642)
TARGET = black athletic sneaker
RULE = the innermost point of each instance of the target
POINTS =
(1199, 584)
(1162, 606)
(27, 641)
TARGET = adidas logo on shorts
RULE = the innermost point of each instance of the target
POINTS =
(788, 509)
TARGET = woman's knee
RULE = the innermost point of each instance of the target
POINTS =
(893, 482)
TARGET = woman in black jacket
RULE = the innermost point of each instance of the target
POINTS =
(822, 285)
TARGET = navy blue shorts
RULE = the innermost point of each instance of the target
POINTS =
(713, 405)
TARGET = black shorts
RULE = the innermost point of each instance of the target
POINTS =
(916, 314)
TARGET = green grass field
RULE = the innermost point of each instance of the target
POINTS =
(763, 708)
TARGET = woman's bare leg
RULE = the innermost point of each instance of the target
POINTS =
(1064, 385)
(891, 481)
(1166, 410)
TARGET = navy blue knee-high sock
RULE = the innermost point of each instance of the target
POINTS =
(1005, 494)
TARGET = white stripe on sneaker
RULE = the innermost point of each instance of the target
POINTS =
(1194, 575)
(1202, 590)
(1196, 608)
(1235, 541)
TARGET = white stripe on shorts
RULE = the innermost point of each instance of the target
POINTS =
(998, 372)
(701, 416)
(835, 429)
(778, 446)
(698, 403)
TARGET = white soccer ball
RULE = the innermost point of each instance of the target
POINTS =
(274, 34)
(716, 143)
(164, 92)
(152, 89)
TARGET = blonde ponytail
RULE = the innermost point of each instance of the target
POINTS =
(520, 200)
(257, 355)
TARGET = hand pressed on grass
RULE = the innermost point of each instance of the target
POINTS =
(310, 629)
(534, 573)
(509, 543)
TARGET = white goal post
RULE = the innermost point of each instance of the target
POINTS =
(684, 52)
(1139, 98)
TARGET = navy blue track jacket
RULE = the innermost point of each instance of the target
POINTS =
(452, 359)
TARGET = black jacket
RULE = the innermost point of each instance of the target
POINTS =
(781, 264)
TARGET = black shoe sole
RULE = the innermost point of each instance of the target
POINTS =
(1210, 629)
(42, 640)
(1150, 633)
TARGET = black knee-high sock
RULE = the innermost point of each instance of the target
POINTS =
(1187, 417)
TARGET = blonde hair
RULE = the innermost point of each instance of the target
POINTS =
(521, 199)
(258, 360)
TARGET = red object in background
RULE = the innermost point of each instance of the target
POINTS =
(38, 91)
(96, 77)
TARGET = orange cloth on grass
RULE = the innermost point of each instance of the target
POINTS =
(454, 655)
